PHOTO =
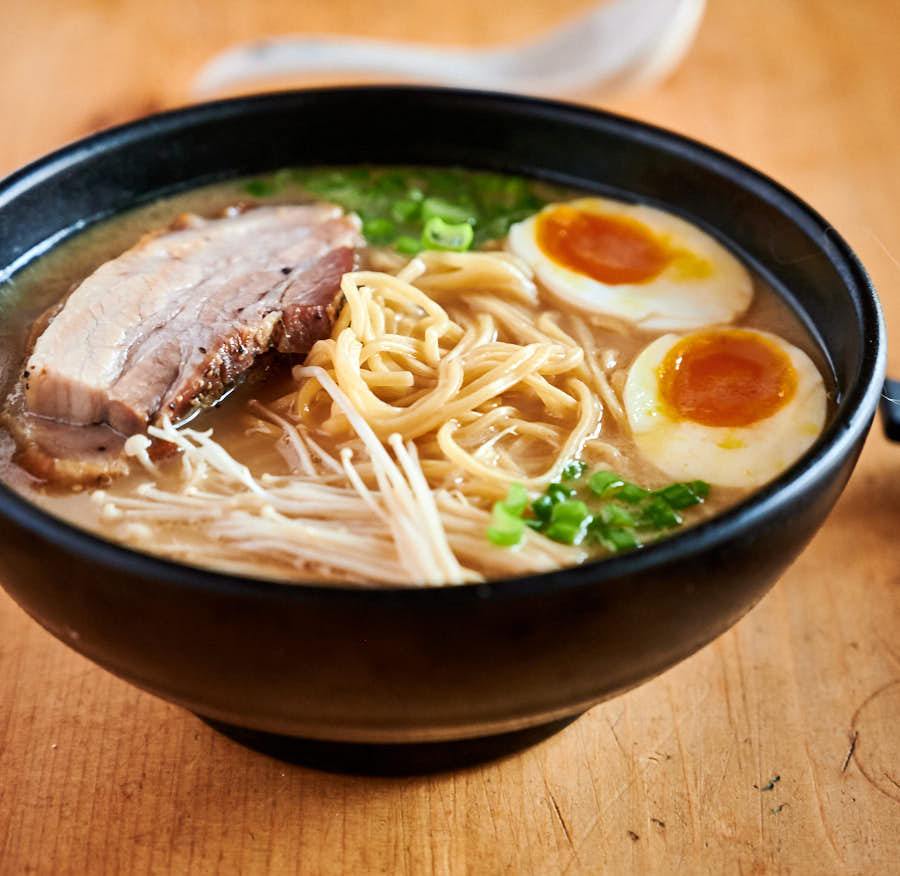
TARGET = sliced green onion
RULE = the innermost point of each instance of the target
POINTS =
(569, 520)
(601, 481)
(438, 234)
(379, 232)
(699, 488)
(404, 210)
(410, 197)
(559, 492)
(616, 515)
(631, 493)
(570, 511)
(542, 508)
(574, 469)
(565, 532)
(618, 538)
(506, 529)
(684, 495)
(516, 499)
(407, 245)
(658, 514)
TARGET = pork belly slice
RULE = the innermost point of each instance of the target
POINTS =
(174, 319)
(66, 455)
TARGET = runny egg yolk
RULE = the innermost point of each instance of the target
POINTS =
(609, 249)
(727, 377)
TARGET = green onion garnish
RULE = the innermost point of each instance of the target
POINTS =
(629, 516)
(379, 232)
(404, 210)
(601, 481)
(516, 499)
(542, 508)
(438, 234)
(631, 493)
(616, 515)
(684, 495)
(565, 532)
(409, 197)
(569, 520)
(507, 526)
(506, 529)
(574, 469)
(570, 511)
(658, 514)
(407, 245)
(619, 538)
(559, 492)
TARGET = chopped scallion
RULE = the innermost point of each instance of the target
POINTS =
(574, 469)
(683, 495)
(569, 520)
(559, 492)
(631, 493)
(516, 499)
(404, 210)
(438, 234)
(618, 538)
(542, 508)
(506, 529)
(570, 511)
(565, 532)
(616, 515)
(658, 514)
(601, 481)
(379, 232)
(407, 245)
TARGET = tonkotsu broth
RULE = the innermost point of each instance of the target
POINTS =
(259, 444)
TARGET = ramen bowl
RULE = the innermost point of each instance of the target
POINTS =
(425, 665)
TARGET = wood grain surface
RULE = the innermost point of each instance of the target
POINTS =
(775, 749)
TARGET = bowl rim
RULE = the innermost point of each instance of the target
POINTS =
(851, 418)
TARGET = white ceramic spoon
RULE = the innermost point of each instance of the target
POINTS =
(618, 45)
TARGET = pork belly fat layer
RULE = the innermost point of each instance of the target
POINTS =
(182, 313)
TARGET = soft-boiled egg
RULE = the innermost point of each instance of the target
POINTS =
(634, 262)
(734, 407)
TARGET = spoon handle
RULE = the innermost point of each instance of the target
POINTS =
(890, 409)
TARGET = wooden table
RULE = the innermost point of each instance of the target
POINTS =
(775, 749)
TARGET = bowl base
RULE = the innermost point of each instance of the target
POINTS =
(388, 758)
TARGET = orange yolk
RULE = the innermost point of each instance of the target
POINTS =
(610, 249)
(726, 378)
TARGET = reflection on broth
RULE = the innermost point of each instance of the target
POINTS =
(410, 386)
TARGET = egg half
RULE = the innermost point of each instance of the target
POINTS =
(633, 262)
(734, 407)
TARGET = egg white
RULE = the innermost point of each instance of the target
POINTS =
(674, 300)
(731, 456)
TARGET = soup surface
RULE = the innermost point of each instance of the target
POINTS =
(520, 377)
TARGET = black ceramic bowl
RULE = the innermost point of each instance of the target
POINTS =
(392, 665)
